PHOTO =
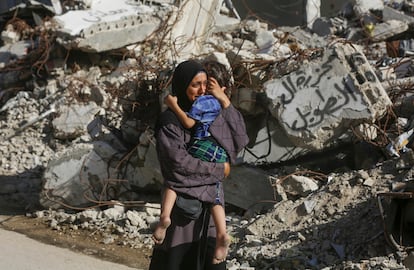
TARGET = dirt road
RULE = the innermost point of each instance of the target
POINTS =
(27, 245)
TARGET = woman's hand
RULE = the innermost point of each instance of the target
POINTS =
(226, 169)
(218, 92)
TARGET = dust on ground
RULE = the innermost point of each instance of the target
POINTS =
(338, 226)
(81, 241)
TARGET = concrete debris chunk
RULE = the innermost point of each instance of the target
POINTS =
(73, 120)
(319, 100)
(109, 25)
(388, 29)
(389, 13)
(106, 26)
(299, 185)
(80, 176)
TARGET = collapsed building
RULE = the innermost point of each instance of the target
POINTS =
(92, 74)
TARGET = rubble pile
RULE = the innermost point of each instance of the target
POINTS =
(328, 108)
(337, 227)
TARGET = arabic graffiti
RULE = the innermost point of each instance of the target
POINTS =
(331, 104)
(322, 102)
(356, 59)
(303, 82)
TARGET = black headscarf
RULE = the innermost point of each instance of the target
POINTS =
(183, 75)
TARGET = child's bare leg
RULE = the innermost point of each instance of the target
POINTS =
(222, 238)
(167, 205)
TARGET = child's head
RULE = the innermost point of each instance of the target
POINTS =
(219, 72)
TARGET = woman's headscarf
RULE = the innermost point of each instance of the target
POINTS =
(182, 77)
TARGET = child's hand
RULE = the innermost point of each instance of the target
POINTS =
(213, 87)
(170, 101)
(218, 92)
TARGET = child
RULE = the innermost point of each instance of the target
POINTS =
(202, 113)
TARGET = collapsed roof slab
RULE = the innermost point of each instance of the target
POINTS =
(319, 102)
(111, 25)
(108, 25)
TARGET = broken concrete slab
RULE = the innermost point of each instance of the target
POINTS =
(388, 29)
(93, 173)
(144, 173)
(248, 188)
(317, 103)
(108, 25)
(390, 13)
(365, 7)
(90, 174)
(73, 120)
(77, 177)
(298, 185)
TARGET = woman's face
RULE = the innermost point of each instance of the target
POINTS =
(197, 86)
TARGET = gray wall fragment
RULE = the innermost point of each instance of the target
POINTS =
(316, 103)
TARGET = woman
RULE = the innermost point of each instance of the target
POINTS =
(190, 243)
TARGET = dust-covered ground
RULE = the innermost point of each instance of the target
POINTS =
(339, 226)
(81, 241)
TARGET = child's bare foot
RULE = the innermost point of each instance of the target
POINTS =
(222, 247)
(159, 232)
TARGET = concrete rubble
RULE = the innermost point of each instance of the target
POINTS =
(328, 107)
(324, 98)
